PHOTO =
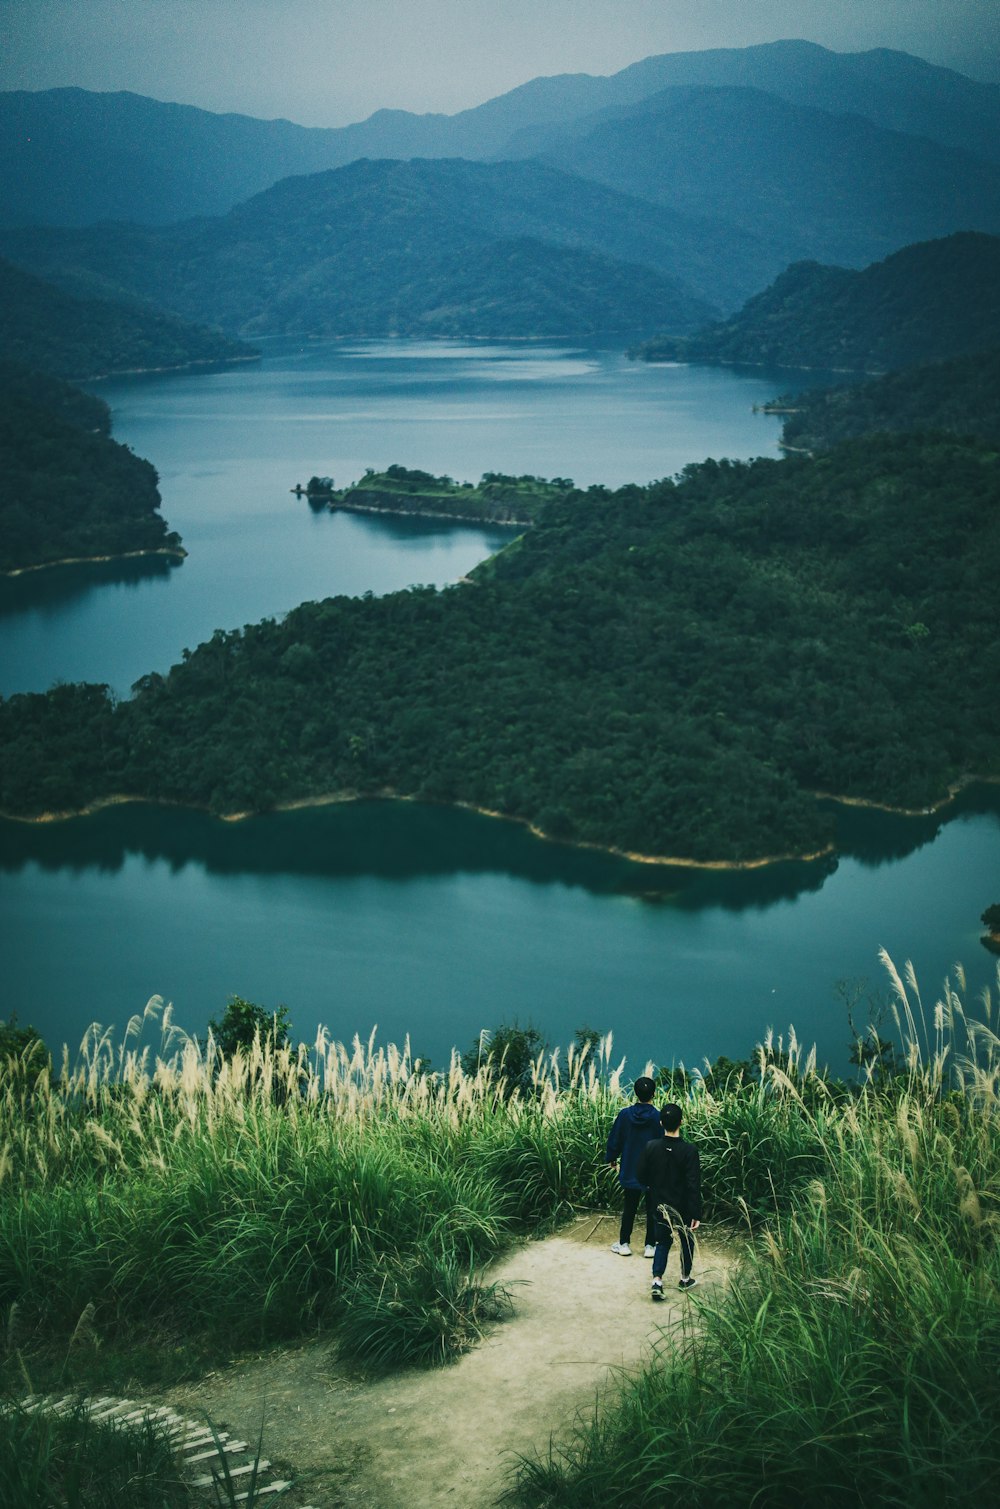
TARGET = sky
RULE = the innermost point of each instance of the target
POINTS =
(329, 62)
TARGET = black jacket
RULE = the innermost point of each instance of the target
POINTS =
(672, 1170)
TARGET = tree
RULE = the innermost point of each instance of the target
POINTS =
(243, 1020)
(991, 917)
(23, 1054)
(587, 1038)
(508, 1052)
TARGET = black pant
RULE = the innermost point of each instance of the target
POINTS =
(665, 1231)
(629, 1208)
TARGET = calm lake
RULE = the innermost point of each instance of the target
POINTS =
(424, 921)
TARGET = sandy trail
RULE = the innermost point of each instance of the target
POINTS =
(452, 1435)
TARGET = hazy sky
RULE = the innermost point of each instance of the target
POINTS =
(327, 62)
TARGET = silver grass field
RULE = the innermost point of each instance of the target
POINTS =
(184, 1205)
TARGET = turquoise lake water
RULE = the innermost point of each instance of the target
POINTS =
(426, 921)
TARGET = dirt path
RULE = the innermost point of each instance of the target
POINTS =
(451, 1435)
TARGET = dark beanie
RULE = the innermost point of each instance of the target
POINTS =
(671, 1117)
(644, 1087)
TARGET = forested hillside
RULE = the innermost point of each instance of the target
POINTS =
(808, 183)
(85, 410)
(67, 491)
(435, 248)
(672, 669)
(961, 396)
(926, 303)
(50, 330)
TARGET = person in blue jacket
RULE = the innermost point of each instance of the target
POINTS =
(634, 1127)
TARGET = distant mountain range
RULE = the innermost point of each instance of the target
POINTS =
(71, 157)
(926, 303)
(656, 198)
(805, 182)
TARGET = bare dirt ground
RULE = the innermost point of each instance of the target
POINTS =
(582, 1316)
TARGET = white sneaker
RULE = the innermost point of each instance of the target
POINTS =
(622, 1248)
(649, 1251)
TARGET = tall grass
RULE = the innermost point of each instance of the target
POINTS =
(856, 1357)
(275, 1191)
(79, 1463)
(71, 1457)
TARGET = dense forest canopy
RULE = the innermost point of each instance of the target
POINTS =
(961, 396)
(85, 410)
(673, 669)
(929, 302)
(68, 491)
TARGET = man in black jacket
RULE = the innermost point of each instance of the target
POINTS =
(671, 1169)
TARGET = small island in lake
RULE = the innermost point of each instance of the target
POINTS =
(495, 499)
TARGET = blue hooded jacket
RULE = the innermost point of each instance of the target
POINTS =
(634, 1126)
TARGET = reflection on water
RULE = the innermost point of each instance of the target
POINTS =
(49, 591)
(386, 840)
(428, 921)
(878, 838)
(229, 446)
(402, 840)
(435, 923)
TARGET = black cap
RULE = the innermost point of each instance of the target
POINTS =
(644, 1087)
(671, 1117)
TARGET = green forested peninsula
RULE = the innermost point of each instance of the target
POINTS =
(56, 332)
(961, 396)
(929, 302)
(495, 499)
(672, 670)
(67, 491)
(85, 410)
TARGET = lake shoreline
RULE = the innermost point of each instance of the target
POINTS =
(666, 861)
(730, 361)
(955, 788)
(171, 552)
(192, 366)
(427, 513)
